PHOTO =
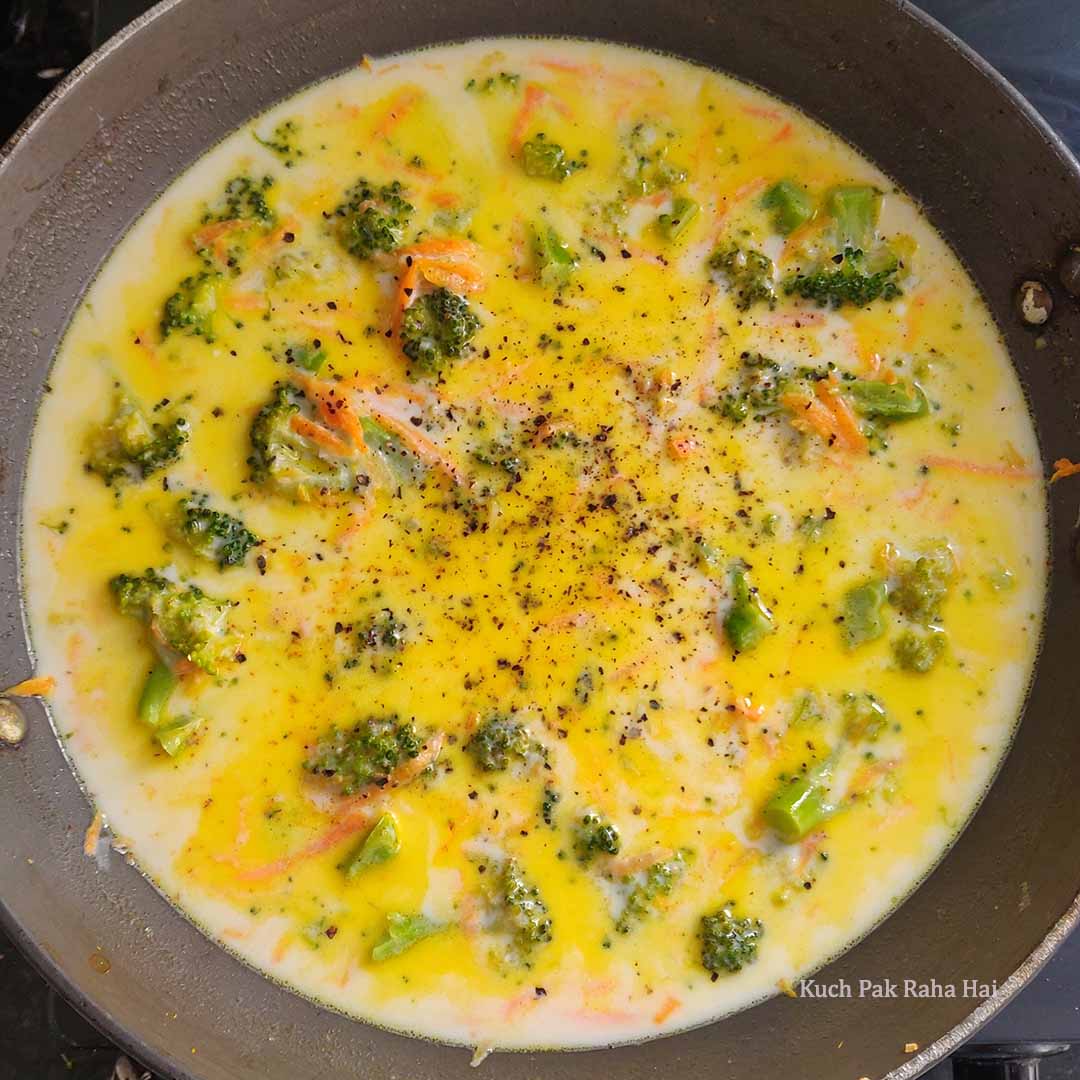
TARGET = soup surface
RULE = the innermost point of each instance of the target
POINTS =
(539, 544)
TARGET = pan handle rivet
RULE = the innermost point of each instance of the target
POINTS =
(12, 723)
(1034, 302)
(1069, 270)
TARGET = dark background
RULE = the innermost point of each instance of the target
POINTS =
(1035, 43)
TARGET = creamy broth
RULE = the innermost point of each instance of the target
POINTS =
(670, 537)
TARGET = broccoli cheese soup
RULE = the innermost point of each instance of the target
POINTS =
(538, 544)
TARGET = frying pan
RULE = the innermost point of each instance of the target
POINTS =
(991, 176)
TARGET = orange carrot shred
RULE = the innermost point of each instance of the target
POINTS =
(1063, 467)
(93, 835)
(978, 468)
(38, 686)
(847, 425)
(681, 445)
(308, 429)
(666, 1010)
(400, 107)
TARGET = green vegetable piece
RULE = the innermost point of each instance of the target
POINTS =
(594, 836)
(372, 218)
(185, 620)
(288, 462)
(864, 717)
(383, 632)
(548, 803)
(919, 650)
(863, 607)
(402, 465)
(282, 142)
(728, 943)
(365, 754)
(215, 536)
(659, 880)
(190, 310)
(747, 273)
(756, 393)
(748, 621)
(555, 262)
(154, 700)
(244, 199)
(309, 357)
(791, 206)
(379, 846)
(849, 283)
(436, 329)
(922, 584)
(547, 160)
(807, 710)
(646, 167)
(504, 80)
(403, 931)
(500, 741)
(672, 225)
(854, 209)
(127, 448)
(178, 734)
(523, 909)
(887, 401)
(796, 808)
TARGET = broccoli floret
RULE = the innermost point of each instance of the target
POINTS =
(384, 632)
(555, 262)
(548, 803)
(848, 282)
(129, 448)
(756, 393)
(372, 219)
(646, 167)
(659, 880)
(216, 536)
(523, 909)
(864, 717)
(504, 79)
(919, 650)
(436, 329)
(182, 617)
(747, 273)
(282, 142)
(500, 741)
(594, 836)
(728, 943)
(190, 310)
(285, 459)
(547, 160)
(365, 754)
(923, 583)
(244, 199)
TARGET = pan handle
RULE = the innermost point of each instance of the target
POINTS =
(1003, 1061)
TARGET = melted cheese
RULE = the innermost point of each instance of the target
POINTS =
(583, 590)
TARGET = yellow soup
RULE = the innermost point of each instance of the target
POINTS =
(538, 544)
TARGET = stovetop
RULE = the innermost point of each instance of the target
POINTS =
(1034, 43)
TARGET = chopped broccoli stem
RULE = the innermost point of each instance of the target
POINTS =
(747, 273)
(547, 160)
(673, 224)
(183, 618)
(748, 621)
(796, 808)
(215, 536)
(435, 330)
(922, 584)
(309, 357)
(863, 608)
(402, 465)
(177, 735)
(864, 717)
(287, 461)
(791, 206)
(919, 650)
(500, 741)
(846, 284)
(403, 931)
(659, 880)
(887, 401)
(156, 691)
(555, 262)
(594, 836)
(854, 209)
(244, 199)
(728, 943)
(365, 754)
(128, 448)
(372, 219)
(646, 167)
(524, 910)
(190, 310)
(379, 846)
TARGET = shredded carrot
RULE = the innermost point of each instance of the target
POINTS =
(535, 97)
(400, 106)
(1062, 467)
(446, 199)
(93, 835)
(419, 444)
(876, 368)
(810, 415)
(246, 301)
(308, 429)
(666, 1010)
(847, 424)
(288, 226)
(38, 686)
(214, 236)
(763, 111)
(744, 191)
(681, 445)
(282, 947)
(441, 248)
(457, 277)
(334, 408)
(914, 317)
(567, 67)
(783, 134)
(978, 468)
(407, 286)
